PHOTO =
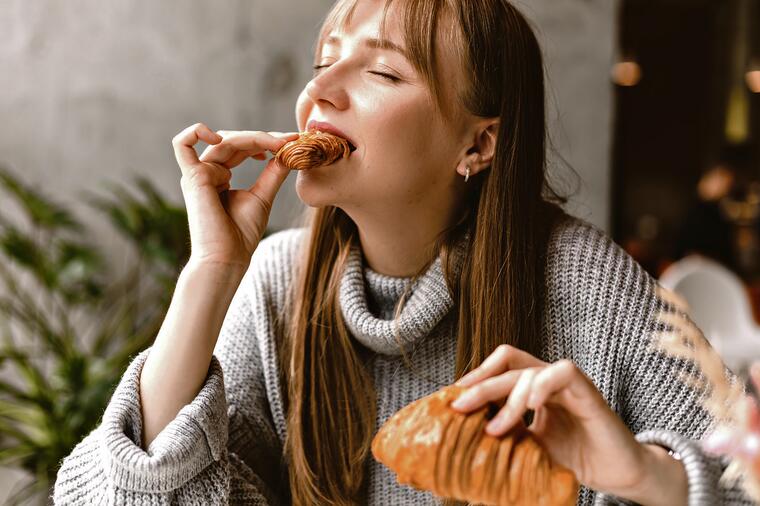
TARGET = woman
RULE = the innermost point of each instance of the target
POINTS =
(432, 247)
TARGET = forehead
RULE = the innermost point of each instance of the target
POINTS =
(376, 21)
(395, 25)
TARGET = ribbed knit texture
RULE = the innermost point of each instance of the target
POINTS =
(225, 447)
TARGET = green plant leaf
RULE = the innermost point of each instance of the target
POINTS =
(79, 268)
(67, 373)
(16, 394)
(155, 200)
(26, 253)
(36, 385)
(40, 210)
(156, 228)
(22, 309)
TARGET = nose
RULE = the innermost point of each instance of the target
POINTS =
(329, 86)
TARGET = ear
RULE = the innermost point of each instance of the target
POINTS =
(479, 154)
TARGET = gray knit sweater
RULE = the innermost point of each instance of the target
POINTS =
(225, 447)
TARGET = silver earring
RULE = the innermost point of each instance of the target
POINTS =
(467, 173)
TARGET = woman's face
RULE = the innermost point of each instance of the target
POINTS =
(407, 152)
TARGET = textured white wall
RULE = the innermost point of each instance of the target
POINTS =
(578, 40)
(94, 91)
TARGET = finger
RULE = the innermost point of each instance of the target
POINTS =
(225, 133)
(515, 407)
(754, 373)
(247, 134)
(240, 156)
(229, 157)
(285, 135)
(221, 152)
(269, 182)
(550, 381)
(489, 390)
(205, 174)
(751, 415)
(253, 142)
(504, 357)
(184, 142)
(201, 186)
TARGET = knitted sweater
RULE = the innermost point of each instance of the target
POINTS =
(226, 446)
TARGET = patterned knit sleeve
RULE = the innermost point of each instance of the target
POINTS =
(622, 311)
(220, 448)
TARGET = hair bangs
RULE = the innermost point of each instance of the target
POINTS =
(419, 20)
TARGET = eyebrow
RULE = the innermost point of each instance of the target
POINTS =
(373, 43)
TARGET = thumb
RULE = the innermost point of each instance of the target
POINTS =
(269, 181)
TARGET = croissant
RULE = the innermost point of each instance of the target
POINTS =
(430, 446)
(313, 149)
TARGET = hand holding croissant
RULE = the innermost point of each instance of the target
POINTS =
(575, 424)
(432, 447)
(573, 432)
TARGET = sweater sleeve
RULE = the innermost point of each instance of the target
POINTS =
(214, 452)
(650, 394)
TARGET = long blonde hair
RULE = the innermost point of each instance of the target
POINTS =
(498, 291)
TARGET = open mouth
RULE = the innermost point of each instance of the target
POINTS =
(351, 145)
(323, 126)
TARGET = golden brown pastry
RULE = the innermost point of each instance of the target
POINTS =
(430, 446)
(313, 149)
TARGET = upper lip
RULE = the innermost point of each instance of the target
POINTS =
(323, 126)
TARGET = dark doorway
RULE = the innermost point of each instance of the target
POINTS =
(679, 121)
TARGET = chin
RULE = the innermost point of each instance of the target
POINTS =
(315, 191)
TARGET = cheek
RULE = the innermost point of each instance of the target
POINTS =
(403, 141)
(396, 128)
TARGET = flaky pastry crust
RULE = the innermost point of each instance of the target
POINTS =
(313, 149)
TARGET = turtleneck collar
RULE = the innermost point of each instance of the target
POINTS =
(368, 301)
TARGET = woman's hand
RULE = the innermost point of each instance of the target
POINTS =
(227, 229)
(575, 424)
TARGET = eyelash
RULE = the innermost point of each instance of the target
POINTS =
(389, 77)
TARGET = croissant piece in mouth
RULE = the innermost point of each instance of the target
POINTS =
(430, 446)
(313, 149)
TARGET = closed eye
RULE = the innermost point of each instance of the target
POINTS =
(317, 68)
(389, 77)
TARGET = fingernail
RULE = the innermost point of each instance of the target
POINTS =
(495, 426)
(464, 380)
(462, 401)
(458, 404)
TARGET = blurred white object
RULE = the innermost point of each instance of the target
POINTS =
(720, 307)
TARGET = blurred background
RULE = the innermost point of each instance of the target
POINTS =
(654, 111)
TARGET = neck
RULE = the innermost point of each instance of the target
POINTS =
(399, 246)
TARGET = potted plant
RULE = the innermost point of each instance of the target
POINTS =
(68, 326)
